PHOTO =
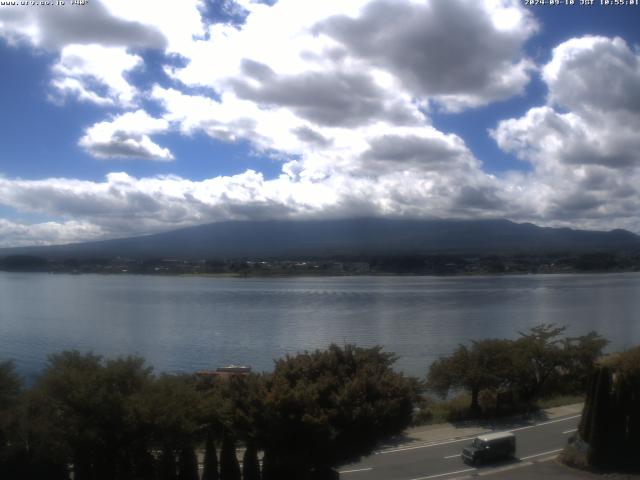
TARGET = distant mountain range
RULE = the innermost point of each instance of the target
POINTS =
(362, 236)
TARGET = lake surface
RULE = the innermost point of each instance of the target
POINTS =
(189, 323)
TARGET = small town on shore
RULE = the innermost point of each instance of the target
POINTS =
(432, 264)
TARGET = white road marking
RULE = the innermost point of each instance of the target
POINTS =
(402, 449)
(545, 423)
(543, 453)
(356, 470)
(445, 474)
(457, 455)
(491, 471)
(428, 445)
(570, 431)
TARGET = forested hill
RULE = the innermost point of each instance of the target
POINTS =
(363, 236)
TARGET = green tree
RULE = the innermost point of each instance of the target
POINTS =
(538, 357)
(10, 385)
(88, 402)
(331, 407)
(610, 423)
(229, 467)
(269, 469)
(581, 354)
(167, 468)
(250, 463)
(12, 454)
(187, 464)
(10, 388)
(210, 471)
(486, 364)
(170, 409)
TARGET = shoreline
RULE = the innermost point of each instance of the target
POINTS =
(311, 274)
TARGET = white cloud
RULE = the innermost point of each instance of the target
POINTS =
(459, 53)
(586, 160)
(93, 46)
(127, 136)
(179, 21)
(124, 205)
(594, 74)
(53, 28)
(340, 92)
(96, 74)
(16, 234)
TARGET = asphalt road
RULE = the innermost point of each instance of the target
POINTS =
(442, 460)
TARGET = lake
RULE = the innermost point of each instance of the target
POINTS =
(182, 324)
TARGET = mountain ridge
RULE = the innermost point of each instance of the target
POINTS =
(358, 236)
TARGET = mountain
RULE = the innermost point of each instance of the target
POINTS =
(319, 238)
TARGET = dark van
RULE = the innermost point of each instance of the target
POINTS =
(489, 447)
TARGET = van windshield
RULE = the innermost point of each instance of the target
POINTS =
(477, 443)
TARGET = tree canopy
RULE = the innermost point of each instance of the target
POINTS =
(539, 361)
(333, 406)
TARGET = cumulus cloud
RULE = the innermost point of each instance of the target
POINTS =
(583, 144)
(16, 234)
(93, 46)
(341, 99)
(427, 150)
(460, 53)
(127, 136)
(124, 205)
(310, 136)
(340, 93)
(54, 28)
(96, 74)
(545, 136)
(594, 74)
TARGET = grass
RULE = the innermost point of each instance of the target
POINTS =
(443, 411)
(559, 401)
(456, 409)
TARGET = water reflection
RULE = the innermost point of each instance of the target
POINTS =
(184, 324)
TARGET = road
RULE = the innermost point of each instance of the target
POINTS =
(442, 461)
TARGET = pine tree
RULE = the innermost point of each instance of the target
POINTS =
(210, 460)
(144, 466)
(598, 440)
(167, 465)
(250, 464)
(229, 468)
(267, 467)
(187, 464)
(584, 429)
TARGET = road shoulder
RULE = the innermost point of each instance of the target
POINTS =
(444, 432)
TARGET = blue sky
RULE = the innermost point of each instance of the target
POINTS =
(123, 118)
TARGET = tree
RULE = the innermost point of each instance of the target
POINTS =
(167, 470)
(229, 467)
(187, 464)
(240, 411)
(331, 407)
(10, 387)
(14, 461)
(610, 423)
(269, 470)
(170, 410)
(86, 403)
(250, 464)
(210, 471)
(581, 354)
(538, 356)
(486, 364)
(239, 401)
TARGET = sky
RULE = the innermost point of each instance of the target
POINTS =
(122, 118)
